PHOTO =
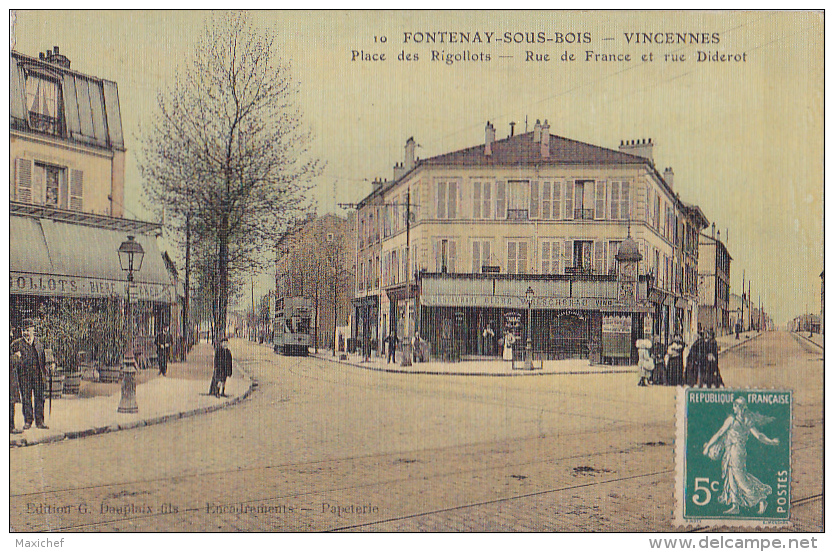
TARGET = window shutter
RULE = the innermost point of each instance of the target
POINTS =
(557, 200)
(63, 190)
(546, 257)
(615, 200)
(476, 257)
(23, 180)
(546, 201)
(500, 200)
(452, 206)
(534, 199)
(476, 200)
(485, 252)
(511, 257)
(567, 256)
(522, 257)
(625, 200)
(437, 260)
(568, 213)
(599, 257)
(453, 254)
(487, 211)
(599, 195)
(556, 254)
(441, 200)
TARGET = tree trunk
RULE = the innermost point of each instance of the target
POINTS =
(223, 272)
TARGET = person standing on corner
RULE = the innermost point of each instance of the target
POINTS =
(14, 385)
(163, 346)
(645, 362)
(674, 361)
(222, 369)
(392, 341)
(33, 374)
(489, 339)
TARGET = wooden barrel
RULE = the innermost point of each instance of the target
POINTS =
(72, 383)
(57, 387)
(109, 374)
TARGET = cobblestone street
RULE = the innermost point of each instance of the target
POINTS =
(324, 446)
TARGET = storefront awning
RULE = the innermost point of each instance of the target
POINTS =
(62, 259)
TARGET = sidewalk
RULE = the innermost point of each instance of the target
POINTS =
(496, 367)
(816, 339)
(184, 392)
(726, 342)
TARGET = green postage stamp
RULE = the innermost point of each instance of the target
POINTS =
(733, 457)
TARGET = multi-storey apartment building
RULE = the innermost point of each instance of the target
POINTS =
(66, 193)
(531, 212)
(714, 284)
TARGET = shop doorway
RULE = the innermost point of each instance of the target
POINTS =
(574, 336)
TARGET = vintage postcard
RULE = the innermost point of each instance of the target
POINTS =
(416, 271)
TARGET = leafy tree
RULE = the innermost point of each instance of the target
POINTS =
(227, 146)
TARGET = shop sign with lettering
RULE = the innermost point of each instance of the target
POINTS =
(25, 283)
(511, 301)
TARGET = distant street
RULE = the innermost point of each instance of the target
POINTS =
(321, 446)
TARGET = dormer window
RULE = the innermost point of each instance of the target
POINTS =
(43, 103)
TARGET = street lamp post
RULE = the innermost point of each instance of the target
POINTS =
(528, 357)
(131, 255)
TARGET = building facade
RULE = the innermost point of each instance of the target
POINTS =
(66, 192)
(714, 285)
(451, 245)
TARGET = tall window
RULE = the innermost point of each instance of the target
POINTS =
(517, 257)
(551, 257)
(613, 249)
(445, 255)
(480, 255)
(43, 104)
(583, 254)
(583, 203)
(481, 199)
(518, 199)
(620, 200)
(447, 199)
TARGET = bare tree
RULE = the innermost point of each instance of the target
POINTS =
(227, 145)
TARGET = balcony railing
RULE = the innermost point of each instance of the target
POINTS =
(517, 214)
(583, 214)
(45, 123)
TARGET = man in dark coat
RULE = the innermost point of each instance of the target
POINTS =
(696, 361)
(713, 376)
(163, 347)
(222, 369)
(659, 376)
(14, 385)
(391, 342)
(33, 374)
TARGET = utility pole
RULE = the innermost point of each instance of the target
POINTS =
(407, 352)
(741, 322)
(751, 308)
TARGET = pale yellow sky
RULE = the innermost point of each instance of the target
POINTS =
(745, 139)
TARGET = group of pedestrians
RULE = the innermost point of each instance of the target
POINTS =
(665, 365)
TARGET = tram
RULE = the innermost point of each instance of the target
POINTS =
(292, 326)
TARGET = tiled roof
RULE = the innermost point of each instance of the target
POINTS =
(523, 150)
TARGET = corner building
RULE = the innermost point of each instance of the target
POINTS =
(535, 212)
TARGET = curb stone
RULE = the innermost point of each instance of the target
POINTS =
(78, 434)
(807, 340)
(518, 373)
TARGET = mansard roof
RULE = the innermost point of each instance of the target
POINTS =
(90, 107)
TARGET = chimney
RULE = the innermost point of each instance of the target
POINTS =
(54, 56)
(669, 176)
(537, 131)
(399, 171)
(640, 148)
(490, 139)
(545, 138)
(512, 129)
(410, 146)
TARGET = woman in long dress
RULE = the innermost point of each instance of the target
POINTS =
(740, 487)
(509, 341)
(674, 362)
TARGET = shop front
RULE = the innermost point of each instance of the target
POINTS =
(366, 326)
(474, 314)
(54, 259)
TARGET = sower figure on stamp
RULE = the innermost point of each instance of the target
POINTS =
(163, 347)
(741, 489)
(674, 361)
(222, 369)
(33, 374)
